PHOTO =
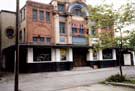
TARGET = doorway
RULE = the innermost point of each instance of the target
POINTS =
(79, 57)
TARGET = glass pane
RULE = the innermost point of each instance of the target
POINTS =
(41, 15)
(34, 14)
(63, 53)
(48, 16)
(61, 7)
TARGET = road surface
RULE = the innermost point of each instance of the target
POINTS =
(56, 81)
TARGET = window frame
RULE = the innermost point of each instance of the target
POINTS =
(61, 7)
(48, 16)
(109, 56)
(63, 57)
(41, 15)
(62, 27)
(34, 15)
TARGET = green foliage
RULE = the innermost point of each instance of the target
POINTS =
(105, 17)
(107, 40)
(131, 40)
(116, 78)
(132, 81)
(102, 15)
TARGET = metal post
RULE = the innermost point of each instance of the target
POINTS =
(121, 46)
(16, 83)
(0, 50)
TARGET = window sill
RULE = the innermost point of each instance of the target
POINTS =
(46, 62)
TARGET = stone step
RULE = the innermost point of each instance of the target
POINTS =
(82, 68)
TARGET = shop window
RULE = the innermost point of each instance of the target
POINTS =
(41, 13)
(61, 7)
(94, 55)
(63, 54)
(107, 54)
(62, 28)
(48, 17)
(48, 40)
(42, 54)
(35, 13)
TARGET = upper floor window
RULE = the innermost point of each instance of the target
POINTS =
(41, 39)
(93, 30)
(35, 13)
(38, 39)
(81, 31)
(23, 14)
(10, 32)
(62, 39)
(62, 28)
(41, 15)
(20, 35)
(35, 39)
(48, 16)
(74, 30)
(61, 7)
(77, 12)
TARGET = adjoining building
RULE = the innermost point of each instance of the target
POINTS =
(7, 38)
(53, 37)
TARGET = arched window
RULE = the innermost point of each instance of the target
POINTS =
(78, 9)
(10, 32)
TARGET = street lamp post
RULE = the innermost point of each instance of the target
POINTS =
(16, 82)
(0, 53)
(121, 46)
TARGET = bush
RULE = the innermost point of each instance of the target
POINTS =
(116, 78)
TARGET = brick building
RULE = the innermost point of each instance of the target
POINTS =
(55, 37)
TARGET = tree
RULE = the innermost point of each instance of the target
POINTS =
(105, 18)
(131, 40)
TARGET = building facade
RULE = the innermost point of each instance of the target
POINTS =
(55, 37)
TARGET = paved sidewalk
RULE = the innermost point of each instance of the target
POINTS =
(99, 87)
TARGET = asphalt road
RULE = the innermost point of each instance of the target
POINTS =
(56, 81)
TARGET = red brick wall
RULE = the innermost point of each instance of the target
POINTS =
(39, 28)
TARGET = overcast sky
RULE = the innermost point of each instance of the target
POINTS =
(11, 4)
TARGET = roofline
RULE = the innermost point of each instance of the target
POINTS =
(52, 1)
(7, 11)
(23, 7)
(39, 3)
